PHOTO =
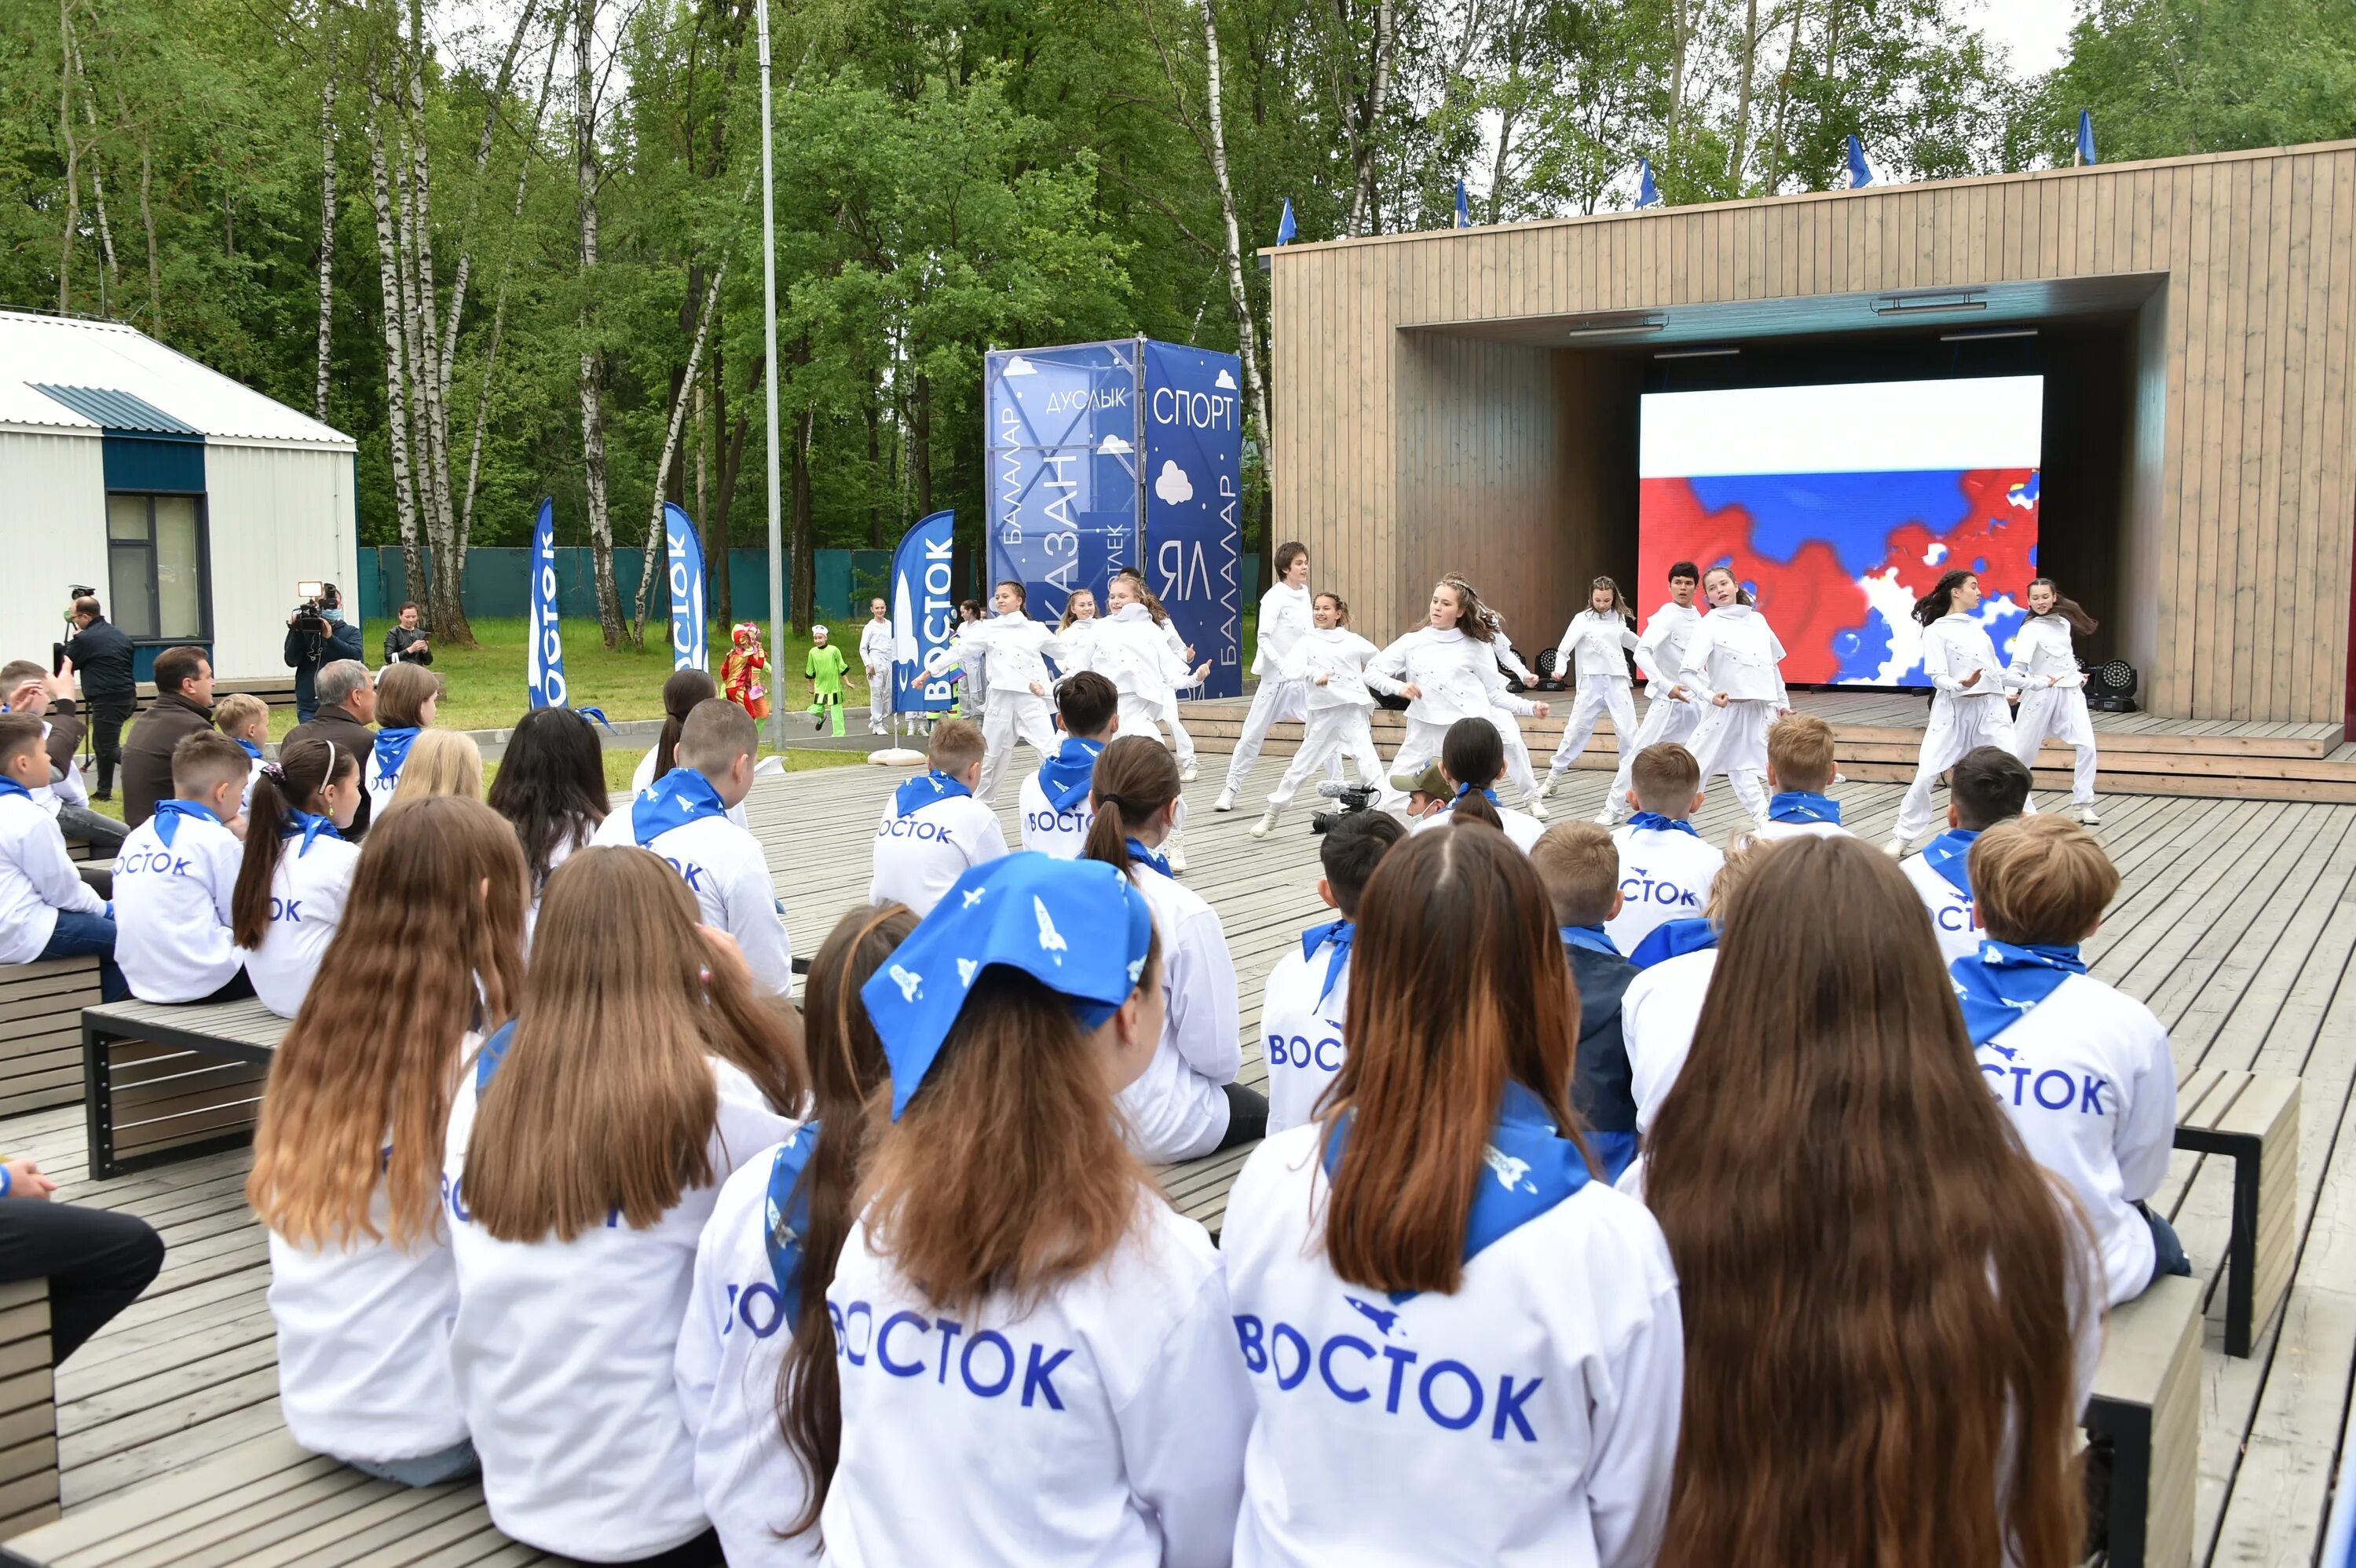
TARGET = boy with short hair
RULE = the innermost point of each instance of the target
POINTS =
(2084, 1070)
(1055, 799)
(1307, 996)
(46, 910)
(1666, 866)
(1581, 867)
(245, 718)
(174, 878)
(1989, 785)
(28, 688)
(1799, 771)
(683, 818)
(934, 830)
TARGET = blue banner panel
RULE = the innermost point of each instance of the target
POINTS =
(1193, 471)
(689, 635)
(924, 614)
(1063, 430)
(545, 666)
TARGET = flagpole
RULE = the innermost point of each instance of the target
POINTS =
(769, 342)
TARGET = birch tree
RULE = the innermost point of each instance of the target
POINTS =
(593, 363)
(326, 216)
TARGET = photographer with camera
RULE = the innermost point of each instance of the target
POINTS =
(100, 653)
(406, 643)
(316, 635)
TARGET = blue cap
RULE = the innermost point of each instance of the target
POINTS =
(1077, 927)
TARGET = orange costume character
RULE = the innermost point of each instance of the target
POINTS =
(745, 673)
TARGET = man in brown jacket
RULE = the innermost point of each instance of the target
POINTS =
(184, 705)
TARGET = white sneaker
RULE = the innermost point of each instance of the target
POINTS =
(1536, 805)
(2089, 815)
(1547, 788)
(1895, 849)
(1177, 860)
(1227, 801)
(1606, 818)
(1186, 773)
(1265, 825)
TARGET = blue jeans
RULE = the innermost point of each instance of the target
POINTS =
(2166, 1252)
(78, 935)
(457, 1463)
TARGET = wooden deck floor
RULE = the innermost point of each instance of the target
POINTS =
(2237, 923)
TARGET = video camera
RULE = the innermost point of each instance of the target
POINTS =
(307, 617)
(1354, 798)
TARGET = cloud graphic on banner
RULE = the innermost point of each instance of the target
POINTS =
(1225, 382)
(1172, 485)
(1113, 445)
(1018, 366)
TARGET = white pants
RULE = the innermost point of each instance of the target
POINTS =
(1180, 742)
(1597, 696)
(1665, 723)
(2059, 712)
(1518, 771)
(878, 698)
(1732, 740)
(1011, 715)
(1138, 718)
(1422, 745)
(1958, 724)
(1331, 732)
(1274, 701)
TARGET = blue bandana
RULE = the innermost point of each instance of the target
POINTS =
(1799, 805)
(493, 1052)
(681, 797)
(1338, 934)
(1950, 855)
(310, 827)
(787, 1213)
(248, 748)
(1591, 937)
(1054, 920)
(169, 812)
(1153, 858)
(925, 789)
(1528, 1168)
(391, 754)
(1488, 795)
(1066, 777)
(1674, 939)
(1999, 985)
(10, 786)
(1653, 821)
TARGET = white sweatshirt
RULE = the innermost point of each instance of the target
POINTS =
(919, 856)
(1511, 661)
(1524, 829)
(1301, 1036)
(1596, 646)
(2043, 655)
(1736, 652)
(1954, 647)
(172, 911)
(1657, 1015)
(1136, 655)
(1661, 651)
(1104, 1428)
(37, 880)
(1015, 646)
(1178, 1109)
(1954, 919)
(1286, 615)
(1340, 655)
(1063, 834)
(2089, 1081)
(728, 872)
(1457, 674)
(1665, 875)
(562, 1353)
(875, 644)
(307, 904)
(1529, 1418)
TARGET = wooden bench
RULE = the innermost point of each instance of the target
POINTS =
(41, 1031)
(171, 1082)
(2145, 1421)
(267, 1504)
(2253, 1119)
(28, 1409)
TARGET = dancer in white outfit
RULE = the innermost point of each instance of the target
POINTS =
(1332, 662)
(1969, 708)
(1518, 771)
(1735, 664)
(1181, 744)
(1672, 713)
(1284, 619)
(1447, 669)
(875, 653)
(1136, 655)
(2052, 689)
(1012, 648)
(1595, 648)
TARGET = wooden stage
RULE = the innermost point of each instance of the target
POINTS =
(2237, 923)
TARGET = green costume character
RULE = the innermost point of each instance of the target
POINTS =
(825, 666)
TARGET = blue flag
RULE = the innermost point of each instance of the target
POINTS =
(690, 627)
(2086, 137)
(1285, 227)
(924, 614)
(1463, 210)
(1860, 172)
(545, 665)
(1647, 193)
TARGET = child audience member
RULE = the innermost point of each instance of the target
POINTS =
(1987, 786)
(552, 787)
(681, 692)
(1186, 1102)
(1302, 1007)
(933, 828)
(245, 718)
(287, 906)
(1799, 771)
(2039, 1019)
(1497, 1329)
(406, 695)
(174, 878)
(348, 1157)
(1038, 1361)
(1580, 866)
(825, 667)
(1904, 1385)
(1665, 865)
(1472, 758)
(1054, 800)
(441, 761)
(683, 818)
(46, 910)
(1662, 1002)
(761, 1405)
(588, 1140)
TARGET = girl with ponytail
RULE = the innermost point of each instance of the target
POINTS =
(1188, 1103)
(1967, 704)
(2052, 689)
(1447, 669)
(291, 883)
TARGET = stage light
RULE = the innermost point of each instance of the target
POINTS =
(1909, 304)
(2111, 686)
(1988, 334)
(1696, 353)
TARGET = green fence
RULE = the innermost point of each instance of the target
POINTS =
(498, 583)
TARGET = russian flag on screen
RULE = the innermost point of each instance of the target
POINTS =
(1839, 505)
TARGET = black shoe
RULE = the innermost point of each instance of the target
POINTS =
(101, 795)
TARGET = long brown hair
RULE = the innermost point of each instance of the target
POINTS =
(1008, 1170)
(605, 1100)
(402, 691)
(1457, 984)
(1069, 614)
(290, 784)
(1145, 596)
(2069, 609)
(680, 693)
(1473, 617)
(436, 907)
(1135, 778)
(847, 1069)
(1877, 1281)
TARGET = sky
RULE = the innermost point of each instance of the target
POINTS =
(2035, 32)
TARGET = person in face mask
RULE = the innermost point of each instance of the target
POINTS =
(312, 642)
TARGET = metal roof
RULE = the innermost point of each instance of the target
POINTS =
(67, 375)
